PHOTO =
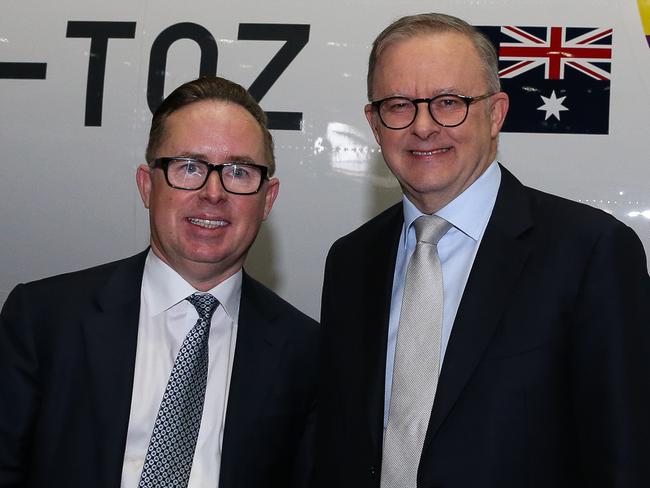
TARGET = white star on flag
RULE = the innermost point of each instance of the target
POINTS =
(552, 106)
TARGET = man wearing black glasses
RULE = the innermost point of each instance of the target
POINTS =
(480, 333)
(173, 367)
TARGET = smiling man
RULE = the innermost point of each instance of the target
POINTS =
(173, 367)
(479, 333)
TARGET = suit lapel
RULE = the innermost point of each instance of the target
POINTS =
(257, 354)
(110, 334)
(379, 272)
(498, 264)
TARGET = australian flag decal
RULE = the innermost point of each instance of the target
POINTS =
(558, 78)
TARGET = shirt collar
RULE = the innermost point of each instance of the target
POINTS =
(163, 288)
(470, 211)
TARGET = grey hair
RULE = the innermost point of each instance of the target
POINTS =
(433, 23)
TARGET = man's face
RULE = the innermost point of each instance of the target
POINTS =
(204, 234)
(434, 164)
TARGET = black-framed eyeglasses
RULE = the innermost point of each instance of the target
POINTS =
(191, 174)
(446, 110)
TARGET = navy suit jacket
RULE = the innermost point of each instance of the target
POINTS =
(67, 356)
(546, 378)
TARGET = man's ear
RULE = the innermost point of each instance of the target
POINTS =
(498, 112)
(373, 121)
(272, 190)
(143, 180)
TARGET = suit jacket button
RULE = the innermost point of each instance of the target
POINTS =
(373, 471)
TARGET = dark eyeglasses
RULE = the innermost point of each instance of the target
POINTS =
(191, 174)
(446, 110)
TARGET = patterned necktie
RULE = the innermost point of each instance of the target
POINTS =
(171, 449)
(417, 358)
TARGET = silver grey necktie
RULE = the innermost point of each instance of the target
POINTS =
(171, 449)
(417, 358)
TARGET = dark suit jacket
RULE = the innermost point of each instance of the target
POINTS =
(546, 378)
(67, 355)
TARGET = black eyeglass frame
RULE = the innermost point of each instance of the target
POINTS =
(163, 163)
(416, 101)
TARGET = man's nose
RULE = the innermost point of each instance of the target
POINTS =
(213, 190)
(424, 124)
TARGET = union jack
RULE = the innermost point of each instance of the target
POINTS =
(556, 50)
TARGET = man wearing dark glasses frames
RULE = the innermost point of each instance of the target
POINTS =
(173, 367)
(480, 333)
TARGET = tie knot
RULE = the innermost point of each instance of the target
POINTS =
(204, 303)
(430, 228)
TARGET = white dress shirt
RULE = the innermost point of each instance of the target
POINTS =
(165, 319)
(468, 213)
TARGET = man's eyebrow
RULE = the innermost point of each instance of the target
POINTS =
(235, 158)
(445, 91)
(450, 90)
(241, 159)
(434, 93)
(187, 154)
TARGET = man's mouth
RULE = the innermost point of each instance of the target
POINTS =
(208, 224)
(430, 153)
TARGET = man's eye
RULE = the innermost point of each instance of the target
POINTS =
(191, 167)
(236, 171)
(448, 103)
(240, 172)
(398, 105)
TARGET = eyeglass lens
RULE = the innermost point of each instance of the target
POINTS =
(446, 110)
(235, 177)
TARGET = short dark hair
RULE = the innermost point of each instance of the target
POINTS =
(433, 23)
(208, 88)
